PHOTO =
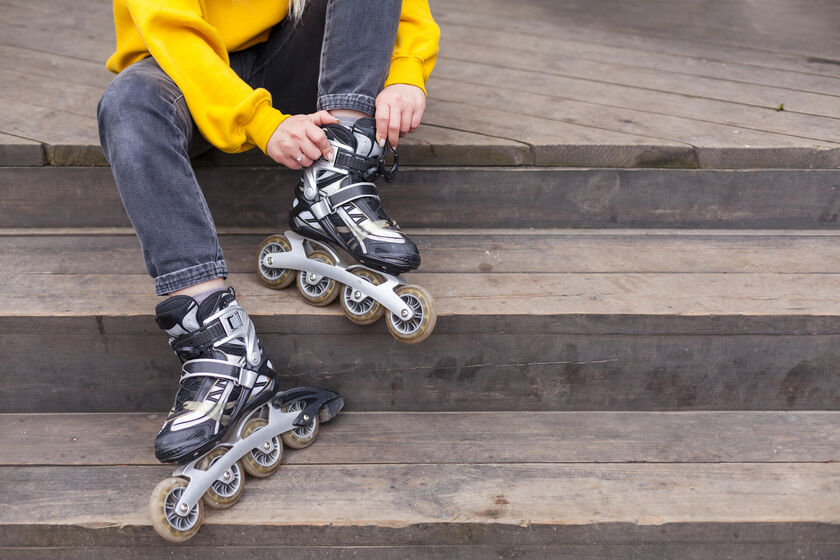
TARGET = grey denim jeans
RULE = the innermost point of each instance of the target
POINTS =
(336, 57)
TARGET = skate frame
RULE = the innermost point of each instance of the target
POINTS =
(296, 260)
(278, 423)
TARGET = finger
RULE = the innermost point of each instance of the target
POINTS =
(309, 150)
(416, 117)
(317, 137)
(394, 121)
(405, 122)
(322, 117)
(289, 162)
(383, 111)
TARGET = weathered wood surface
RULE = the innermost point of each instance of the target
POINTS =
(403, 495)
(649, 85)
(585, 48)
(103, 366)
(691, 541)
(117, 251)
(463, 438)
(463, 198)
(20, 151)
(502, 551)
(475, 294)
(692, 321)
(694, 32)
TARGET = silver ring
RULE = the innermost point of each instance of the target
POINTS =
(300, 157)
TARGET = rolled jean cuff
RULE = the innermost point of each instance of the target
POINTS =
(186, 277)
(356, 101)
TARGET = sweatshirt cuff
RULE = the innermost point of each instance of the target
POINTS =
(260, 128)
(407, 70)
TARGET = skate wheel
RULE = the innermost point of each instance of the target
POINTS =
(318, 290)
(366, 310)
(223, 494)
(166, 522)
(261, 461)
(275, 278)
(300, 436)
(419, 327)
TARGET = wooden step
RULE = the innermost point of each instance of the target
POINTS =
(544, 85)
(438, 485)
(462, 197)
(459, 438)
(592, 321)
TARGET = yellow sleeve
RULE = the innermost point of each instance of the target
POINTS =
(229, 113)
(416, 48)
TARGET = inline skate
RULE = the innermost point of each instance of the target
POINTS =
(229, 417)
(343, 244)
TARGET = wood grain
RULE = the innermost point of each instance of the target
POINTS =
(463, 438)
(464, 198)
(403, 495)
(83, 250)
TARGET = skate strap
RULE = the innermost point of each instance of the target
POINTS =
(219, 369)
(343, 196)
(198, 340)
(355, 162)
(221, 327)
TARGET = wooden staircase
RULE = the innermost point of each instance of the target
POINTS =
(628, 363)
(628, 215)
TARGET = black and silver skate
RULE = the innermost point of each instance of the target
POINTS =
(337, 202)
(343, 245)
(225, 374)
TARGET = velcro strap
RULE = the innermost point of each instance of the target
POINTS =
(354, 161)
(201, 338)
(352, 192)
(210, 368)
(342, 196)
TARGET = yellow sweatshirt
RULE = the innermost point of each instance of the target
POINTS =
(191, 39)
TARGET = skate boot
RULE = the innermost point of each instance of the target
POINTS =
(225, 373)
(229, 418)
(343, 243)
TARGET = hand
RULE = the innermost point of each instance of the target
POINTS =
(399, 108)
(300, 134)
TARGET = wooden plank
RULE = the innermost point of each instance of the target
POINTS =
(55, 66)
(18, 151)
(471, 294)
(403, 495)
(697, 541)
(559, 45)
(463, 438)
(109, 364)
(729, 143)
(82, 35)
(801, 544)
(643, 79)
(561, 143)
(472, 198)
(500, 68)
(51, 93)
(542, 19)
(70, 139)
(468, 251)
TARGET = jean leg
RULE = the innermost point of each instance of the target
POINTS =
(147, 133)
(359, 38)
(336, 57)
